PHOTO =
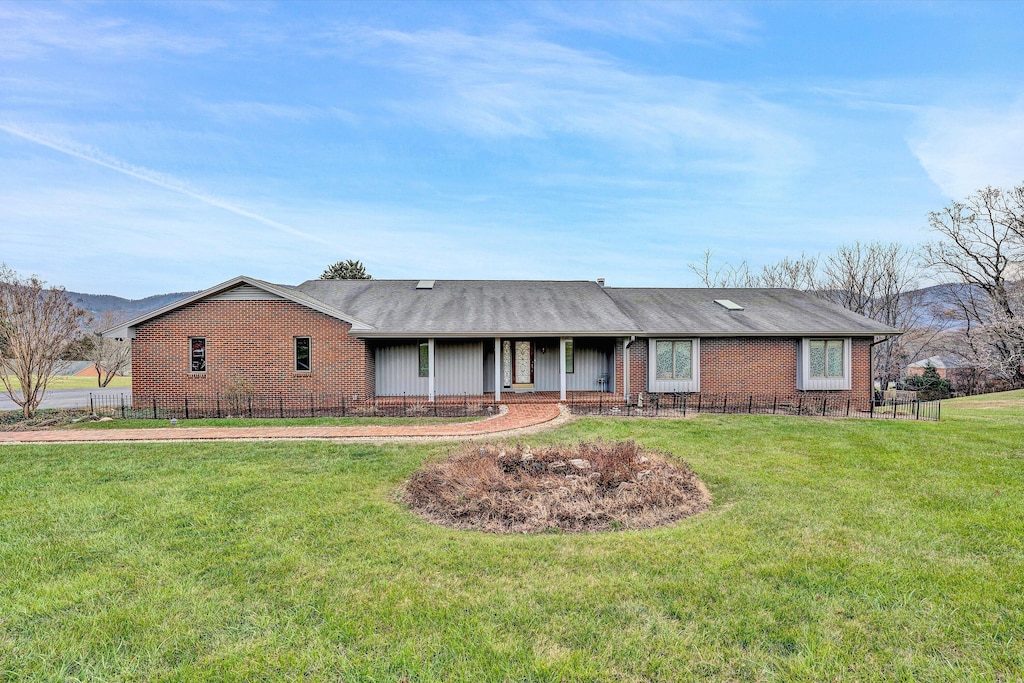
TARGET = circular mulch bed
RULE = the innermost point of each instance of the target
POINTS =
(600, 486)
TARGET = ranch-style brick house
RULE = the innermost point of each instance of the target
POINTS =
(496, 338)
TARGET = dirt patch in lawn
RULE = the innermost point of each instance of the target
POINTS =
(595, 486)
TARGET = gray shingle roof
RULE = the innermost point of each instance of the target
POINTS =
(482, 307)
(463, 308)
(765, 311)
(474, 307)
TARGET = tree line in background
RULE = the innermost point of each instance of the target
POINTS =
(977, 313)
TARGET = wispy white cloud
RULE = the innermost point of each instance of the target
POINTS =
(653, 21)
(518, 85)
(34, 29)
(965, 149)
(95, 156)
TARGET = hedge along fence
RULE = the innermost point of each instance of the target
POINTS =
(808, 404)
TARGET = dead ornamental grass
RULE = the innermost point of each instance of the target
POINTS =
(598, 486)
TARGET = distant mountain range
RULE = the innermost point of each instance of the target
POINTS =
(126, 309)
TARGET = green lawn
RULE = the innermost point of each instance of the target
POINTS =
(70, 382)
(271, 422)
(835, 550)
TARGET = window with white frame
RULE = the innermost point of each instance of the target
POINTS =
(825, 359)
(673, 365)
(824, 364)
(673, 359)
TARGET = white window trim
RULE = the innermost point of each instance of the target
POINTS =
(656, 385)
(807, 383)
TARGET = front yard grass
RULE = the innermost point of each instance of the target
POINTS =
(834, 550)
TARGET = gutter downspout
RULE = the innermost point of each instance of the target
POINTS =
(625, 367)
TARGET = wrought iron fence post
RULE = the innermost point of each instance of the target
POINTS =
(895, 402)
(847, 406)
(684, 405)
(750, 405)
(92, 410)
(917, 410)
(824, 402)
(312, 409)
(800, 406)
(218, 405)
(725, 403)
(250, 405)
(775, 402)
(154, 407)
(186, 407)
(938, 411)
(122, 406)
(700, 401)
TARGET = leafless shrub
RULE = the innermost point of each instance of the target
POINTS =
(585, 487)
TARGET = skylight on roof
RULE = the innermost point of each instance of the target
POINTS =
(728, 305)
(425, 284)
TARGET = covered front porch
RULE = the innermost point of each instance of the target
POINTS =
(504, 367)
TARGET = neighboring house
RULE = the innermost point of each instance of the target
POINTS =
(370, 338)
(945, 365)
(960, 372)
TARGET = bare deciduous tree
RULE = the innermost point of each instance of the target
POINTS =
(37, 325)
(110, 357)
(874, 279)
(726, 275)
(980, 245)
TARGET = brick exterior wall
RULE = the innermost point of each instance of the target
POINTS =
(756, 365)
(249, 348)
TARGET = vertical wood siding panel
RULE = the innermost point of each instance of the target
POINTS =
(397, 371)
(459, 368)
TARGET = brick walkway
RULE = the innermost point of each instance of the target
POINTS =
(518, 416)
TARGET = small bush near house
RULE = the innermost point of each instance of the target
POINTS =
(595, 486)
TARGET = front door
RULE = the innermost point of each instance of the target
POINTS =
(522, 365)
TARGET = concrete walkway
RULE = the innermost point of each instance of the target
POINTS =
(518, 418)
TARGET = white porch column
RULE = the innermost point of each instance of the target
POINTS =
(561, 368)
(497, 369)
(430, 366)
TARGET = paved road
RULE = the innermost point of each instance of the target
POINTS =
(68, 398)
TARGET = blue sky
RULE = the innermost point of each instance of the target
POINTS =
(148, 147)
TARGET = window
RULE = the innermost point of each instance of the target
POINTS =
(826, 358)
(569, 362)
(424, 359)
(302, 345)
(674, 359)
(198, 353)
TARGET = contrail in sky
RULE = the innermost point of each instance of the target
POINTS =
(95, 156)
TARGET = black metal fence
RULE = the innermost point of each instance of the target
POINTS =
(805, 404)
(579, 403)
(280, 406)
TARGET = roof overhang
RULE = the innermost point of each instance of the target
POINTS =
(127, 330)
